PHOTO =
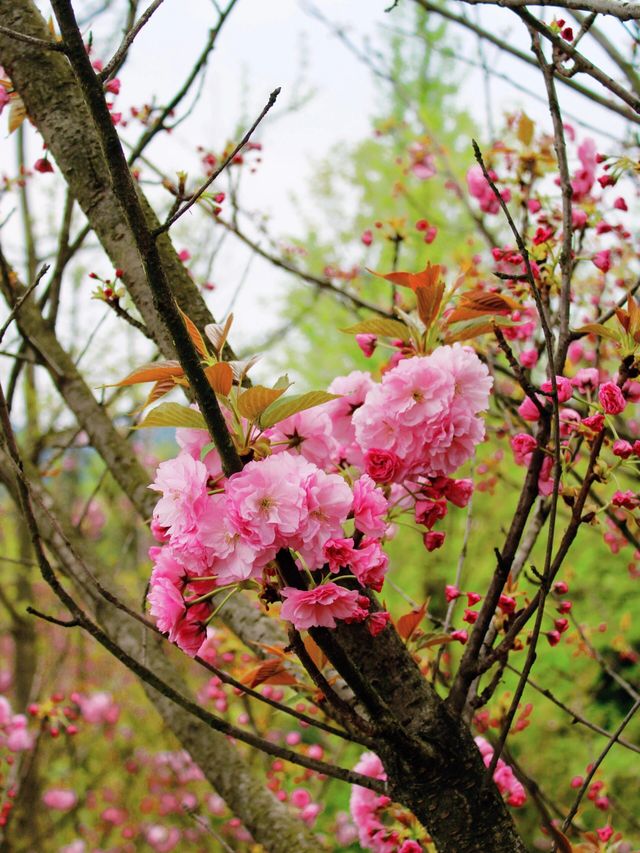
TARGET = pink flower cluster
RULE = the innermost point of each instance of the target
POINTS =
(423, 418)
(367, 809)
(480, 190)
(222, 536)
(365, 806)
(504, 777)
(14, 734)
(420, 423)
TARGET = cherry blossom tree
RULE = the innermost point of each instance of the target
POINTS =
(273, 520)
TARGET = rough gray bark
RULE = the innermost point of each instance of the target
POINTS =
(270, 822)
(432, 762)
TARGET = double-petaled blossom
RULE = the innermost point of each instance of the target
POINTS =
(365, 807)
(318, 607)
(481, 190)
(370, 507)
(353, 389)
(307, 433)
(425, 412)
(611, 398)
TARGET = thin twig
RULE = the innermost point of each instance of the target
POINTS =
(507, 47)
(118, 58)
(575, 715)
(625, 10)
(596, 764)
(43, 44)
(458, 578)
(198, 194)
(526, 386)
(566, 259)
(169, 108)
(18, 303)
(63, 623)
(581, 63)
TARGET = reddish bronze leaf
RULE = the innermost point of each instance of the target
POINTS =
(194, 334)
(268, 672)
(220, 377)
(408, 623)
(427, 278)
(153, 372)
(315, 653)
(429, 300)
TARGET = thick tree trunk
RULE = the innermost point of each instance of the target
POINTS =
(432, 762)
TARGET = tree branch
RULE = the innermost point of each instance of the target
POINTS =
(624, 10)
(119, 56)
(199, 192)
(507, 47)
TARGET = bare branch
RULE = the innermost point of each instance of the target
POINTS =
(19, 302)
(612, 51)
(581, 63)
(119, 56)
(43, 44)
(507, 47)
(575, 715)
(198, 194)
(624, 10)
(596, 764)
(566, 259)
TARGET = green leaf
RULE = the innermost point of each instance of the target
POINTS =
(469, 329)
(600, 330)
(253, 402)
(206, 450)
(283, 382)
(173, 415)
(283, 409)
(380, 326)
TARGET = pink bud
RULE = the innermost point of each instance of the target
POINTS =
(461, 636)
(553, 638)
(506, 603)
(605, 833)
(621, 448)
(43, 165)
(367, 344)
(113, 86)
(433, 540)
(611, 398)
(451, 592)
